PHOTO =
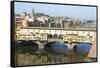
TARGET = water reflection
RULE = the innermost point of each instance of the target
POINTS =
(52, 53)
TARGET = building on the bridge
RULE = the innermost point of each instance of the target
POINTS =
(68, 35)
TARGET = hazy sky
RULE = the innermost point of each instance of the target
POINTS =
(81, 12)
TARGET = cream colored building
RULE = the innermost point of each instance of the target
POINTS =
(41, 34)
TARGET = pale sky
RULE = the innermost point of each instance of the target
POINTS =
(80, 12)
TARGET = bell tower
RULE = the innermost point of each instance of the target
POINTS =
(33, 15)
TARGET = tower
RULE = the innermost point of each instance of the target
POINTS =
(33, 15)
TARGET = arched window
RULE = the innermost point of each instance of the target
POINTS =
(49, 35)
(60, 36)
(55, 36)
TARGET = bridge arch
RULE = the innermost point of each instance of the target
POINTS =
(29, 47)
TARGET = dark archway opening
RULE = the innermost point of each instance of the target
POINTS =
(82, 49)
(26, 47)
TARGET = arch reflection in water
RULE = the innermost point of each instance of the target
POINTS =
(82, 49)
(56, 47)
(56, 51)
(27, 47)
